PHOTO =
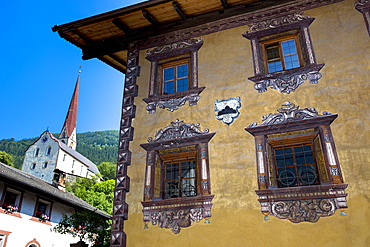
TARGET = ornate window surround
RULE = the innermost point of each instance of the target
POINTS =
(174, 100)
(305, 203)
(182, 211)
(284, 81)
(364, 7)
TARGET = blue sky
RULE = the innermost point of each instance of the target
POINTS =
(38, 70)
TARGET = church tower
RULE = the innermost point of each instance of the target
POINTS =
(68, 133)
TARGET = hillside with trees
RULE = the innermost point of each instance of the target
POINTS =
(99, 146)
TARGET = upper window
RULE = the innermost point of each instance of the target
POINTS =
(33, 166)
(283, 55)
(174, 75)
(37, 151)
(48, 151)
(45, 165)
(177, 172)
(297, 165)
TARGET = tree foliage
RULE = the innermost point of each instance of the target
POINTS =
(107, 170)
(86, 225)
(6, 158)
(100, 195)
(99, 146)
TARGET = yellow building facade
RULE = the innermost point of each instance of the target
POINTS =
(250, 143)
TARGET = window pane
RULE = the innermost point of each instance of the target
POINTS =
(286, 177)
(289, 47)
(182, 71)
(291, 61)
(182, 85)
(169, 87)
(172, 189)
(307, 175)
(172, 171)
(188, 187)
(275, 66)
(273, 53)
(169, 74)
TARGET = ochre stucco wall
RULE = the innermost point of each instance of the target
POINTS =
(340, 41)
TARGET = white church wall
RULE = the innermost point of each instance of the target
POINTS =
(71, 165)
(43, 163)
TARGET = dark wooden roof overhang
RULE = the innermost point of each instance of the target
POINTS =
(107, 36)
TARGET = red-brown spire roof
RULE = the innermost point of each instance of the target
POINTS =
(71, 119)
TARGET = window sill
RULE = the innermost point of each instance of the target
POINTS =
(173, 101)
(46, 222)
(287, 81)
(15, 214)
(177, 213)
(306, 203)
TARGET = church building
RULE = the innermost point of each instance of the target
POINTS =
(56, 160)
(244, 122)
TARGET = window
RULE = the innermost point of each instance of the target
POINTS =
(37, 150)
(297, 164)
(174, 75)
(177, 172)
(283, 55)
(33, 166)
(48, 151)
(11, 201)
(44, 165)
(42, 211)
(180, 179)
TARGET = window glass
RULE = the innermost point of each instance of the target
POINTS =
(282, 55)
(37, 150)
(296, 166)
(48, 150)
(33, 166)
(180, 179)
(176, 78)
(45, 165)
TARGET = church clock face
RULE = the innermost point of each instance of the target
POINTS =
(44, 139)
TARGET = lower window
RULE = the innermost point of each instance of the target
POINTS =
(177, 182)
(299, 175)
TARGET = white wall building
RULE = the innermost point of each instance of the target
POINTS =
(34, 197)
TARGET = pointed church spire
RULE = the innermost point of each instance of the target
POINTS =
(68, 133)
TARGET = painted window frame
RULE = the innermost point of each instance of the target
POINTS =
(159, 57)
(279, 28)
(164, 149)
(283, 129)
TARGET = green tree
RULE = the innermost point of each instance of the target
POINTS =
(6, 158)
(86, 225)
(100, 195)
(107, 170)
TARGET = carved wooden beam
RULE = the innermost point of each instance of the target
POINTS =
(224, 4)
(149, 17)
(179, 11)
(103, 47)
(122, 26)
